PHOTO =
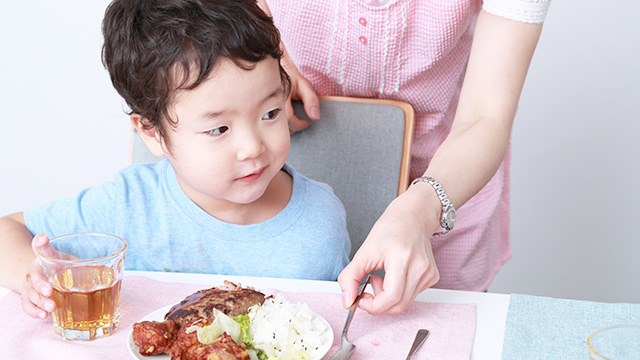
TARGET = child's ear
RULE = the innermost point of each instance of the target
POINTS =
(151, 137)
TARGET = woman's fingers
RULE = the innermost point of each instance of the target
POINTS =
(301, 89)
(400, 288)
(349, 280)
(376, 284)
(394, 290)
(307, 94)
(295, 124)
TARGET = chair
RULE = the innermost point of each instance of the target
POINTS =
(361, 147)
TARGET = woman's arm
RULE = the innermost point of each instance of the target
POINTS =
(500, 56)
(474, 149)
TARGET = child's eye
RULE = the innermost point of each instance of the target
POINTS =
(218, 131)
(271, 114)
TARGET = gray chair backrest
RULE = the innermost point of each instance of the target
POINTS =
(357, 148)
(361, 149)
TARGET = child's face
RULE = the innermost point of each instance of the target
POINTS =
(232, 135)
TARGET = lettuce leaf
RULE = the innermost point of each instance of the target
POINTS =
(221, 324)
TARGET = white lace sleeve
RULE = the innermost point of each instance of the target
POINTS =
(530, 11)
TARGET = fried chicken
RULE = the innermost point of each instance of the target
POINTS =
(153, 337)
(170, 337)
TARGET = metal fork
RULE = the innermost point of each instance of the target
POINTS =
(347, 348)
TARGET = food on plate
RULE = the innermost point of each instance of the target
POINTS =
(230, 299)
(286, 330)
(230, 322)
(170, 336)
(187, 346)
(153, 337)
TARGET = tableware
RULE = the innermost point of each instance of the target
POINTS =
(159, 314)
(617, 342)
(421, 336)
(85, 270)
(346, 347)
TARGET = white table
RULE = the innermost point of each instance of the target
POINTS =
(491, 308)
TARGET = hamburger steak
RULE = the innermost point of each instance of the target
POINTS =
(169, 336)
(231, 299)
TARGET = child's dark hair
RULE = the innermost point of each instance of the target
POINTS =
(148, 43)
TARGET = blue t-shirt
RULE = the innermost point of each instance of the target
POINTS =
(166, 231)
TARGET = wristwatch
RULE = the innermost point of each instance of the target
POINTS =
(448, 218)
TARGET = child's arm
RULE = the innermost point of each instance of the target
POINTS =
(20, 269)
(15, 251)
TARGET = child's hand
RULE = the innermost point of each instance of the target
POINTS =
(36, 290)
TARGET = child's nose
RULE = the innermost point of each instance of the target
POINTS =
(250, 146)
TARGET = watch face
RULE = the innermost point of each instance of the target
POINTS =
(449, 218)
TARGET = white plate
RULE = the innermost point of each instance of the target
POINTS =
(159, 314)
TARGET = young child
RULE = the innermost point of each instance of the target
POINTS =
(206, 90)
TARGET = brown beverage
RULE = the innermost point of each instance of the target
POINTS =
(87, 300)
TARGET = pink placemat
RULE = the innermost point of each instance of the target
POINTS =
(452, 326)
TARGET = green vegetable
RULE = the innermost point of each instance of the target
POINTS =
(245, 335)
(221, 324)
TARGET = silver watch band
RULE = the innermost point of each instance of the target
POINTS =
(448, 218)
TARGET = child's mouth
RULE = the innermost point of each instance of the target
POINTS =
(252, 177)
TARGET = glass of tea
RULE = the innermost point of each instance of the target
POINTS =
(85, 270)
(616, 342)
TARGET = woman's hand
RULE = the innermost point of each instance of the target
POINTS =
(36, 290)
(400, 243)
(301, 89)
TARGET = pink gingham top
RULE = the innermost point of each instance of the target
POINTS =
(415, 51)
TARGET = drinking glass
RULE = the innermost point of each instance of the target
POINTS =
(616, 342)
(85, 270)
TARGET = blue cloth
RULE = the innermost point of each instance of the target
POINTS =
(166, 231)
(548, 328)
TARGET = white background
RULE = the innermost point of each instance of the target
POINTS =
(576, 168)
